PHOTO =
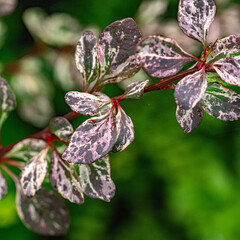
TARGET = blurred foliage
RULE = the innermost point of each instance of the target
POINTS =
(170, 185)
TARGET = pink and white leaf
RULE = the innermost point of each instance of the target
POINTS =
(86, 57)
(189, 119)
(92, 140)
(64, 179)
(3, 186)
(96, 180)
(221, 103)
(125, 131)
(229, 70)
(105, 99)
(45, 213)
(61, 128)
(7, 97)
(7, 100)
(34, 173)
(190, 90)
(84, 103)
(135, 90)
(116, 51)
(161, 57)
(195, 18)
(26, 149)
(224, 48)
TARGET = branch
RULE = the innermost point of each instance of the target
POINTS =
(40, 135)
(69, 116)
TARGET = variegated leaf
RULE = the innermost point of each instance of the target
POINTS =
(34, 173)
(162, 57)
(104, 98)
(229, 70)
(61, 128)
(96, 180)
(92, 140)
(125, 131)
(65, 180)
(116, 51)
(190, 90)
(135, 90)
(221, 103)
(195, 17)
(26, 149)
(3, 186)
(86, 57)
(237, 58)
(7, 100)
(84, 103)
(45, 213)
(189, 119)
(224, 48)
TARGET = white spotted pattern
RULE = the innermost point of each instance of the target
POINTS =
(162, 57)
(195, 17)
(96, 180)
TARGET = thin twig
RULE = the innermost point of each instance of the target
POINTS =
(69, 116)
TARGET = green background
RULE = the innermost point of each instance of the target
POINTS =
(169, 185)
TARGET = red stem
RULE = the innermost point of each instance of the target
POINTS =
(14, 163)
(154, 87)
(40, 135)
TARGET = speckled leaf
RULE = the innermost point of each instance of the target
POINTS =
(7, 100)
(190, 89)
(45, 213)
(189, 119)
(125, 131)
(26, 149)
(116, 51)
(84, 103)
(34, 173)
(61, 128)
(3, 186)
(96, 179)
(237, 58)
(221, 102)
(162, 57)
(224, 48)
(92, 140)
(64, 179)
(104, 98)
(86, 57)
(195, 17)
(135, 90)
(229, 70)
